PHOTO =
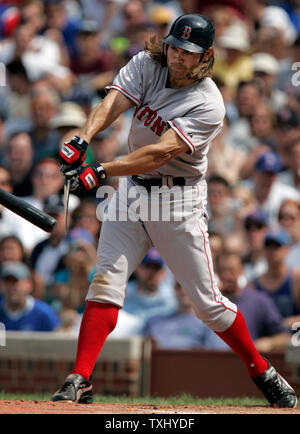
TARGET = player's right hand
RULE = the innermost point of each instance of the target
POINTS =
(72, 154)
(86, 177)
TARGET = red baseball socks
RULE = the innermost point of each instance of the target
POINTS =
(100, 319)
(238, 338)
(97, 323)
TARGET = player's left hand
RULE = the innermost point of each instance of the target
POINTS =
(72, 154)
(86, 177)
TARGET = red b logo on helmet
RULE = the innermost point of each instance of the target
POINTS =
(187, 32)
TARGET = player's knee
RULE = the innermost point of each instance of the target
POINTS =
(217, 319)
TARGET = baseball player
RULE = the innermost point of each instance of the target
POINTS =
(178, 111)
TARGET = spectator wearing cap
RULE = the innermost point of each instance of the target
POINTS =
(265, 71)
(264, 321)
(46, 254)
(70, 116)
(276, 32)
(280, 282)
(12, 249)
(233, 64)
(93, 66)
(152, 292)
(20, 311)
(255, 226)
(268, 191)
(182, 330)
(9, 19)
(162, 16)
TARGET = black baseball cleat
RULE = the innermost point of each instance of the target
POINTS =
(276, 389)
(75, 389)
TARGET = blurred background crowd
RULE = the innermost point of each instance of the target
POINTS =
(56, 58)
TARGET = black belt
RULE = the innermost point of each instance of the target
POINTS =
(155, 182)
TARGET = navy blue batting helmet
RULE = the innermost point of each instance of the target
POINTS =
(191, 32)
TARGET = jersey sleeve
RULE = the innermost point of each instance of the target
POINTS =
(197, 129)
(129, 80)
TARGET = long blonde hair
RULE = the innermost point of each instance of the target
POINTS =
(157, 51)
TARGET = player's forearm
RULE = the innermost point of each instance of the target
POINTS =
(97, 121)
(143, 160)
(104, 114)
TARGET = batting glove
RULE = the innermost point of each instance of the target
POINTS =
(86, 177)
(72, 154)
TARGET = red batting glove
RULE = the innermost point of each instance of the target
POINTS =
(72, 154)
(86, 177)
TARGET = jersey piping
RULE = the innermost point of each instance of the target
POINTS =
(180, 133)
(115, 86)
(210, 273)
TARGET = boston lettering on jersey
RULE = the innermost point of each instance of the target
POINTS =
(150, 119)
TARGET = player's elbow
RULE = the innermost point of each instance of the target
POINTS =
(162, 157)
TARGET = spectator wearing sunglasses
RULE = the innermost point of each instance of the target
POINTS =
(254, 261)
(263, 319)
(280, 282)
(289, 219)
(268, 191)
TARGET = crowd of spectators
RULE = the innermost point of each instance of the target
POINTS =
(57, 57)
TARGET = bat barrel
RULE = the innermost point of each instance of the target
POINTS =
(27, 211)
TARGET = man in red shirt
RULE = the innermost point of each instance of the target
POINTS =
(93, 66)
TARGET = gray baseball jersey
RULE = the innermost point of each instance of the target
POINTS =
(195, 112)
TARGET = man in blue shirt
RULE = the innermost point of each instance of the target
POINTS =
(182, 330)
(152, 292)
(19, 311)
(262, 317)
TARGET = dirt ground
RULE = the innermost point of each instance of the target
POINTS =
(45, 407)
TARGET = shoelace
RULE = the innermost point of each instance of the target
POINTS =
(65, 387)
(275, 389)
